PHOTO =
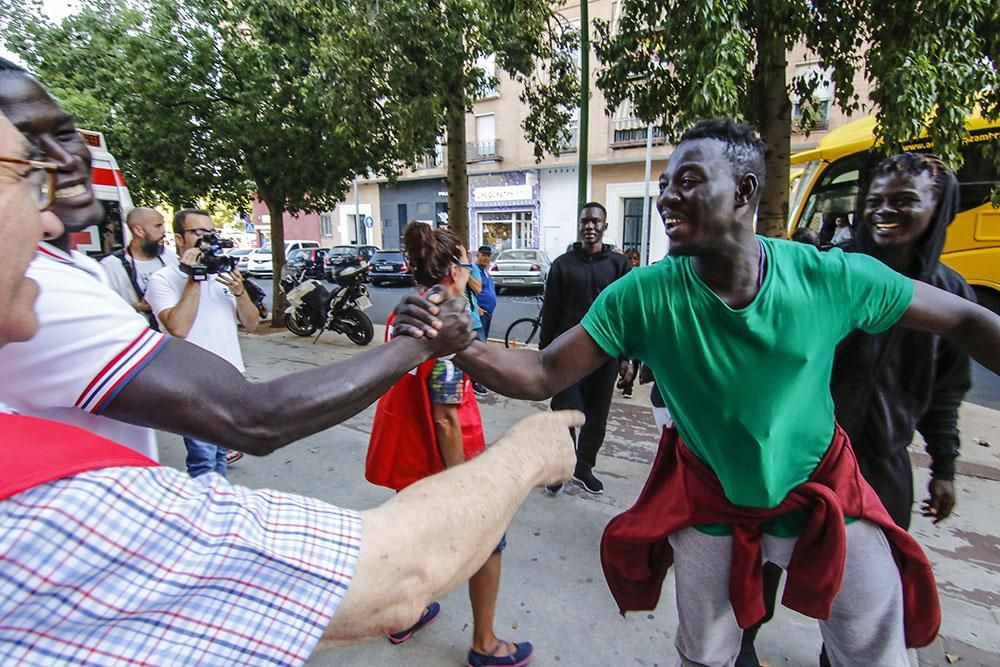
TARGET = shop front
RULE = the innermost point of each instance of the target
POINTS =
(503, 210)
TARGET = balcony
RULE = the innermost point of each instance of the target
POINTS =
(570, 140)
(630, 132)
(435, 161)
(483, 151)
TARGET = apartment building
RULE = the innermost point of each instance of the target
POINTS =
(515, 202)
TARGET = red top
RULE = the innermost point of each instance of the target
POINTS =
(403, 447)
(36, 451)
(682, 491)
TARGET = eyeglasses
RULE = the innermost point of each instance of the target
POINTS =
(464, 265)
(40, 179)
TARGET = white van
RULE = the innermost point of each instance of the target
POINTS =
(109, 189)
(296, 245)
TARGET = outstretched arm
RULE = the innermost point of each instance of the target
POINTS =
(530, 374)
(204, 397)
(435, 534)
(970, 326)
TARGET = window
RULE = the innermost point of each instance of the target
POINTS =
(488, 66)
(326, 224)
(632, 223)
(815, 105)
(837, 194)
(441, 212)
(571, 134)
(628, 130)
(505, 230)
(486, 135)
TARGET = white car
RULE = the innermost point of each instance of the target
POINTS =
(242, 257)
(259, 262)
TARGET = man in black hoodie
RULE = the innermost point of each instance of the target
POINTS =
(888, 386)
(575, 280)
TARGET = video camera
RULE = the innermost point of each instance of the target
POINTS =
(212, 260)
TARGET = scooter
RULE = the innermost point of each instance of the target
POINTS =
(312, 307)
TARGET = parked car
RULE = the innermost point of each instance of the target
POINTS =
(391, 266)
(522, 267)
(259, 262)
(341, 254)
(242, 257)
(310, 259)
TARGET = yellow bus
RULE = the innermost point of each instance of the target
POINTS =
(836, 175)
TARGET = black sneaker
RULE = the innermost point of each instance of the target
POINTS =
(588, 482)
(479, 389)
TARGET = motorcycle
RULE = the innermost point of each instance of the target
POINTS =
(312, 307)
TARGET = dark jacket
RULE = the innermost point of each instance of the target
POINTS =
(891, 384)
(575, 279)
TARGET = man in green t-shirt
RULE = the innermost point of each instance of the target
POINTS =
(740, 333)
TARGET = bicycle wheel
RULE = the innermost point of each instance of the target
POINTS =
(522, 332)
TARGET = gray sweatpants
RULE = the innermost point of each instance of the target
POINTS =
(865, 625)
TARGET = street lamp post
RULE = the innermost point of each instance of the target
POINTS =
(581, 193)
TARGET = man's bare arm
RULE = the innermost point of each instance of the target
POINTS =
(204, 397)
(534, 375)
(433, 535)
(179, 319)
(970, 326)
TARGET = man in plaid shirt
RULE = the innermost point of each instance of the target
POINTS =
(106, 557)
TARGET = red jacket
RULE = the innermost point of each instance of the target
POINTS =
(403, 447)
(682, 491)
(37, 451)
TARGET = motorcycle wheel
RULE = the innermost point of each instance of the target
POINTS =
(360, 331)
(299, 324)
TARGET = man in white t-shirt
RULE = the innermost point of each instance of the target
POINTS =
(129, 268)
(201, 306)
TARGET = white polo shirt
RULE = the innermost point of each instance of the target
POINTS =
(89, 346)
(144, 268)
(214, 327)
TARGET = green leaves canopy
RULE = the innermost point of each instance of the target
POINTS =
(928, 63)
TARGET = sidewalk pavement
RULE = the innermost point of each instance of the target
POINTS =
(553, 592)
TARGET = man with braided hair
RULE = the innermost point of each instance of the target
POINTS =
(887, 386)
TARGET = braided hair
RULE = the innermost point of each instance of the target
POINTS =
(914, 164)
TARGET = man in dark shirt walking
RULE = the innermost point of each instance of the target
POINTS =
(575, 280)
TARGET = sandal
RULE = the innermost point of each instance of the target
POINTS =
(520, 656)
(232, 456)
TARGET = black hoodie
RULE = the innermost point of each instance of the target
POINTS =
(889, 385)
(575, 279)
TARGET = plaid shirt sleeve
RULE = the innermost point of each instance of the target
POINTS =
(145, 565)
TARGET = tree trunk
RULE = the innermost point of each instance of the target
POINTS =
(458, 170)
(276, 210)
(775, 124)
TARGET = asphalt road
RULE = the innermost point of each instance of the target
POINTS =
(985, 385)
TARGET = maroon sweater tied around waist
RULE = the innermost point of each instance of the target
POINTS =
(682, 491)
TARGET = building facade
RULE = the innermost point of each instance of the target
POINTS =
(516, 202)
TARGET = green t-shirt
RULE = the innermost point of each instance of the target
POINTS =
(749, 389)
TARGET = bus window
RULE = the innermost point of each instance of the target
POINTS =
(835, 194)
(976, 178)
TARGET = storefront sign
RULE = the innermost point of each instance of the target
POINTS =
(501, 193)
